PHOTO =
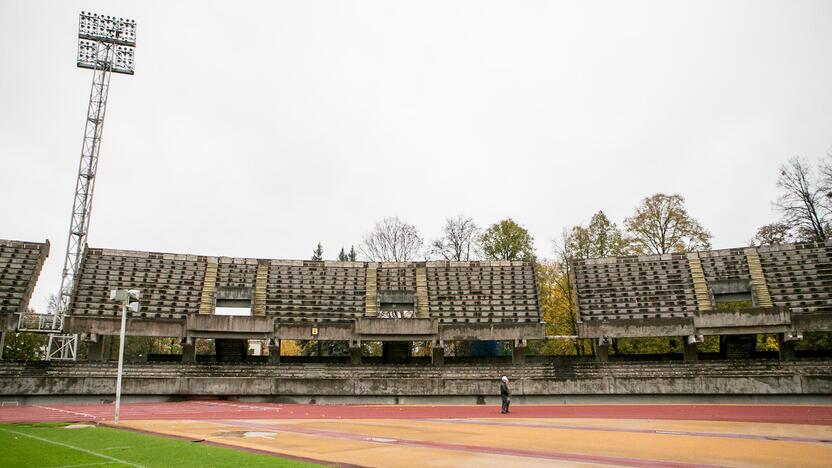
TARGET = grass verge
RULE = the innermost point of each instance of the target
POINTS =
(56, 445)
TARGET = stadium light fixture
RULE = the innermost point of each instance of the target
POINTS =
(106, 45)
(129, 299)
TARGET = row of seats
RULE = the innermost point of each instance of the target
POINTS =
(634, 288)
(725, 265)
(20, 265)
(484, 293)
(799, 276)
(307, 291)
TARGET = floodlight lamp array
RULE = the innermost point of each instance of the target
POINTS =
(110, 29)
(93, 55)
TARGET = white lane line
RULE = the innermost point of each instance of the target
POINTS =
(66, 411)
(83, 464)
(90, 452)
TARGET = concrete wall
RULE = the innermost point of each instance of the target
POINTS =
(750, 378)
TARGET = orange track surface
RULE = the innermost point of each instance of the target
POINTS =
(444, 436)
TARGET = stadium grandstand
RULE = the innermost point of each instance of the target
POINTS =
(187, 296)
(733, 293)
(20, 265)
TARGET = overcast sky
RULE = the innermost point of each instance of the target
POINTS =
(259, 129)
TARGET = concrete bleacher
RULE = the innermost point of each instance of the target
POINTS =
(784, 290)
(799, 276)
(564, 378)
(301, 300)
(482, 292)
(20, 266)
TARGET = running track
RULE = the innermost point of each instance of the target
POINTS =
(222, 410)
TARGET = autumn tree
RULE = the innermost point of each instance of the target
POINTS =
(773, 234)
(392, 240)
(507, 240)
(318, 253)
(460, 240)
(805, 201)
(661, 224)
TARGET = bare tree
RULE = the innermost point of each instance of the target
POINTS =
(392, 240)
(661, 224)
(804, 201)
(460, 240)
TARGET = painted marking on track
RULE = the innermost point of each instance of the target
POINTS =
(86, 415)
(560, 456)
(726, 435)
(89, 452)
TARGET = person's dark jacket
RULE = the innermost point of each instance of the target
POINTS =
(504, 391)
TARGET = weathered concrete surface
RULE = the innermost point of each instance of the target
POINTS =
(492, 331)
(212, 326)
(135, 326)
(620, 328)
(758, 377)
(742, 321)
(411, 326)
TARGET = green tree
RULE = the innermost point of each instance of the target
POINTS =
(347, 257)
(601, 238)
(318, 253)
(661, 224)
(507, 240)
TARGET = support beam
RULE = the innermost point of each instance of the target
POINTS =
(188, 352)
(787, 348)
(437, 353)
(274, 351)
(518, 353)
(2, 342)
(691, 350)
(99, 350)
(355, 354)
(602, 349)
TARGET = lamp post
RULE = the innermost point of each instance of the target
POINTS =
(129, 299)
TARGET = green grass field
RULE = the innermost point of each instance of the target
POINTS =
(54, 445)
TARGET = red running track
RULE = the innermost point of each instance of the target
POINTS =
(210, 410)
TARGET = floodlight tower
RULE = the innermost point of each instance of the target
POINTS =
(106, 45)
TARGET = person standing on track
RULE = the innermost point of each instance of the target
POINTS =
(505, 394)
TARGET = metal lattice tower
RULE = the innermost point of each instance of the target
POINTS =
(105, 45)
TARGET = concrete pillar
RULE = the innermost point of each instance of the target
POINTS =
(787, 351)
(437, 353)
(691, 350)
(188, 352)
(2, 342)
(96, 350)
(274, 351)
(518, 353)
(355, 354)
(602, 352)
